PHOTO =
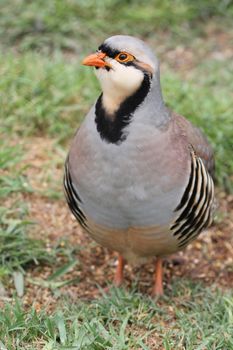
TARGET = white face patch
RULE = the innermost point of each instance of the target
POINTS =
(118, 83)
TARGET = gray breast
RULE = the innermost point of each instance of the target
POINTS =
(138, 183)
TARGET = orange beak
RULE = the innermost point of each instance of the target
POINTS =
(96, 60)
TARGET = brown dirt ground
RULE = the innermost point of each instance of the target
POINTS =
(209, 259)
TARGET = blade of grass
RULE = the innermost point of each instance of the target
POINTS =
(19, 282)
(61, 271)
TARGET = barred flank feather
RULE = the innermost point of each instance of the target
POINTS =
(196, 204)
(73, 198)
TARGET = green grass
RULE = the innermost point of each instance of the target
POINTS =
(191, 318)
(16, 248)
(46, 96)
(46, 92)
(72, 24)
(10, 156)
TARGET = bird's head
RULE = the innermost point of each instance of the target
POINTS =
(122, 63)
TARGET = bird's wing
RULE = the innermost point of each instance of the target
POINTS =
(198, 141)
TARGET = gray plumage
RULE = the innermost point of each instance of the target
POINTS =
(151, 192)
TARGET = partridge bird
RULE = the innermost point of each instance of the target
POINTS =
(137, 176)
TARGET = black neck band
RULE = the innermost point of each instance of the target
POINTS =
(111, 128)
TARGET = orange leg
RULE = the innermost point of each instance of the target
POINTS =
(158, 281)
(118, 279)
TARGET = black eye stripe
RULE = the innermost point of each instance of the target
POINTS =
(108, 50)
(112, 53)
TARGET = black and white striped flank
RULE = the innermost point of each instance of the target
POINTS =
(73, 198)
(196, 205)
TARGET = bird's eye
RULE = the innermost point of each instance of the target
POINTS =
(124, 57)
